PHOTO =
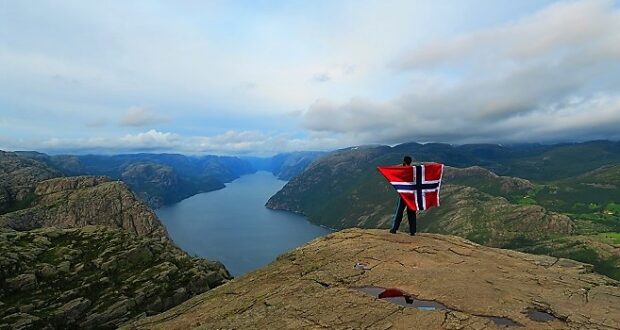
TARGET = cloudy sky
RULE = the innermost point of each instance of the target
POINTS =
(259, 77)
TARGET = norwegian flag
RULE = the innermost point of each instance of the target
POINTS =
(417, 185)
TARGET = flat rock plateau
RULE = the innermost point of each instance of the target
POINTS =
(332, 282)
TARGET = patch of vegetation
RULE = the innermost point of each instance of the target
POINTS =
(611, 238)
(519, 242)
(24, 203)
(613, 208)
(598, 222)
(526, 200)
(575, 249)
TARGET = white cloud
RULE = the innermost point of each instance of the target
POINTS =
(254, 142)
(151, 140)
(587, 27)
(395, 71)
(514, 82)
(230, 143)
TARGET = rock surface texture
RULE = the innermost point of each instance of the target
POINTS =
(18, 177)
(317, 286)
(70, 202)
(94, 277)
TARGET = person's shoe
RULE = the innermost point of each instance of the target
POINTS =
(412, 234)
(392, 231)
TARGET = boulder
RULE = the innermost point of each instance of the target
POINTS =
(73, 310)
(46, 271)
(23, 282)
(21, 321)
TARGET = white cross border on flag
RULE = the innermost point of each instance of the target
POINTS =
(420, 186)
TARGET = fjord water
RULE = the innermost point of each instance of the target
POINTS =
(233, 225)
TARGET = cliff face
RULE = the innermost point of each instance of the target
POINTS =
(94, 277)
(18, 177)
(451, 283)
(71, 274)
(159, 185)
(79, 201)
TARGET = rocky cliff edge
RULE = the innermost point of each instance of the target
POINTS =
(71, 202)
(449, 283)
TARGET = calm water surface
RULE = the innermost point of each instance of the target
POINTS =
(233, 225)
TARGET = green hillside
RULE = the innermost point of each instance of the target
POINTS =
(343, 189)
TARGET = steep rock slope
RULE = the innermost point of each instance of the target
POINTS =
(158, 184)
(331, 283)
(18, 177)
(70, 202)
(94, 277)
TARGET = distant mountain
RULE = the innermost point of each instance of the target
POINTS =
(562, 161)
(528, 161)
(158, 179)
(559, 193)
(163, 179)
(285, 165)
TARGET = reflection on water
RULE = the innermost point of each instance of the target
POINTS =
(402, 298)
(233, 225)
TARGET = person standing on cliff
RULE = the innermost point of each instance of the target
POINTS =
(400, 208)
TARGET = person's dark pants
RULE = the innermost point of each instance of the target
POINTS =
(398, 217)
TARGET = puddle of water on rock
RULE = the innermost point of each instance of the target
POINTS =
(502, 321)
(540, 316)
(410, 301)
(429, 305)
